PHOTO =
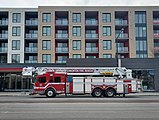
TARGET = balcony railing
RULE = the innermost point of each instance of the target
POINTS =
(121, 22)
(156, 49)
(3, 49)
(3, 36)
(61, 36)
(60, 61)
(62, 50)
(30, 35)
(31, 49)
(91, 35)
(91, 22)
(31, 61)
(122, 36)
(31, 22)
(156, 22)
(4, 22)
(62, 22)
(123, 50)
(92, 50)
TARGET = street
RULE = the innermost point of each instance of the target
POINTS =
(79, 108)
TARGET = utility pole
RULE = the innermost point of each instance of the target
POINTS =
(117, 54)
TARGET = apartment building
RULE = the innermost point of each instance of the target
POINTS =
(51, 34)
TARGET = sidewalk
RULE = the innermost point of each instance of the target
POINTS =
(27, 94)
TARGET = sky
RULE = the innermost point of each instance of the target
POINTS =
(36, 3)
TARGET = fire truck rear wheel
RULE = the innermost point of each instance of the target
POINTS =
(50, 92)
(110, 92)
(97, 92)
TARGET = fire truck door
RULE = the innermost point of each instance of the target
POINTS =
(127, 88)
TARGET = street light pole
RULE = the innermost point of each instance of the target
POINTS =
(117, 54)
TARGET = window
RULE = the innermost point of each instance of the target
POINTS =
(15, 31)
(107, 45)
(15, 44)
(16, 18)
(57, 79)
(76, 56)
(42, 79)
(106, 17)
(141, 55)
(76, 45)
(46, 31)
(106, 31)
(107, 55)
(141, 32)
(46, 58)
(76, 31)
(141, 45)
(91, 56)
(15, 58)
(140, 17)
(46, 45)
(76, 17)
(46, 17)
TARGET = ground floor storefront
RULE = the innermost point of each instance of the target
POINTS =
(11, 78)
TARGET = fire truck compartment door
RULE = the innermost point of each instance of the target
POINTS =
(78, 84)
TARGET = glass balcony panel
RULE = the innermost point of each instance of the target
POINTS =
(31, 61)
(62, 50)
(122, 36)
(92, 50)
(4, 21)
(31, 49)
(32, 22)
(91, 22)
(62, 22)
(91, 35)
(61, 35)
(122, 49)
(4, 36)
(61, 61)
(30, 35)
(121, 22)
(3, 49)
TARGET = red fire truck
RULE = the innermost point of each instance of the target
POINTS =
(104, 81)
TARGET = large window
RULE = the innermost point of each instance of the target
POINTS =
(106, 31)
(76, 31)
(46, 17)
(141, 55)
(16, 18)
(107, 45)
(141, 45)
(15, 58)
(76, 17)
(140, 17)
(107, 55)
(46, 45)
(16, 31)
(106, 17)
(46, 31)
(46, 58)
(76, 56)
(15, 44)
(141, 32)
(76, 45)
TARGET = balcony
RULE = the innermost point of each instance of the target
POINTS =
(91, 36)
(31, 61)
(156, 49)
(31, 35)
(92, 50)
(62, 36)
(123, 50)
(156, 22)
(4, 22)
(121, 22)
(91, 22)
(62, 22)
(31, 22)
(60, 61)
(31, 49)
(3, 36)
(122, 36)
(62, 50)
(3, 49)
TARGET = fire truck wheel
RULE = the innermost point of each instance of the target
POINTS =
(50, 92)
(109, 92)
(97, 92)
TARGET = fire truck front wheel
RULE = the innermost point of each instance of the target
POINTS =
(97, 92)
(50, 93)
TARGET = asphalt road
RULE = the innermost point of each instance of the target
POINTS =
(79, 111)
